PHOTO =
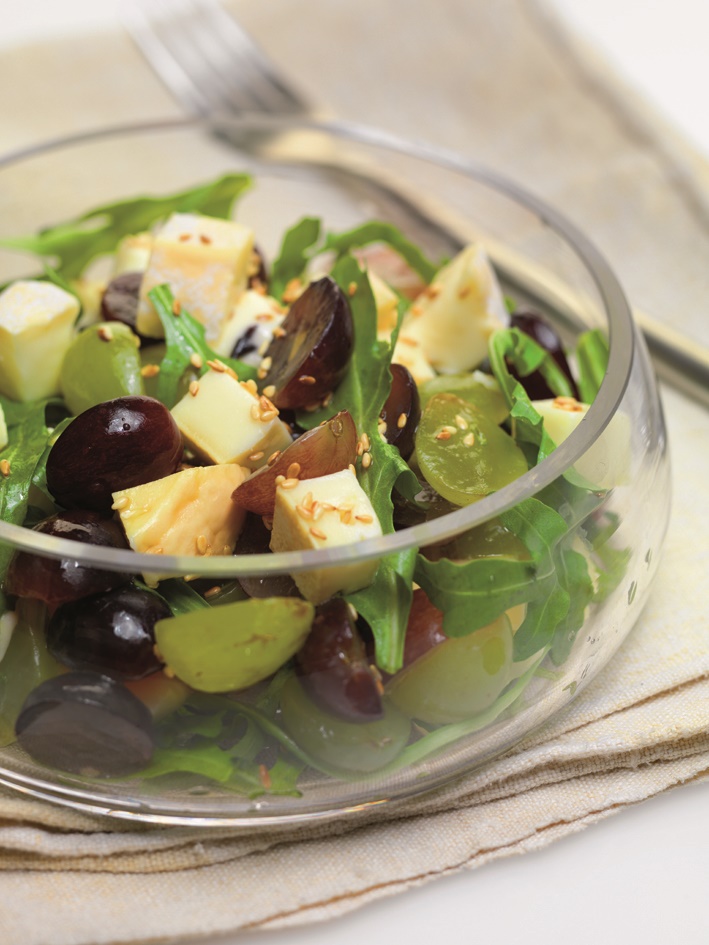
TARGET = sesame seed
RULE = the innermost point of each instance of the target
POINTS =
(150, 370)
(327, 399)
(318, 510)
(202, 545)
(382, 428)
(268, 416)
(366, 460)
(365, 441)
(293, 471)
(194, 388)
(196, 360)
(183, 237)
(203, 238)
(401, 421)
(346, 506)
(5, 467)
(466, 290)
(432, 291)
(316, 533)
(105, 333)
(258, 286)
(346, 516)
(255, 457)
(265, 317)
(217, 366)
(255, 412)
(360, 448)
(461, 422)
(212, 592)
(292, 290)
(269, 390)
(289, 483)
(265, 403)
(121, 503)
(280, 480)
(366, 518)
(411, 342)
(279, 332)
(176, 307)
(273, 457)
(250, 386)
(308, 500)
(351, 288)
(469, 439)
(352, 469)
(264, 367)
(306, 379)
(568, 403)
(303, 512)
(416, 310)
(443, 435)
(232, 373)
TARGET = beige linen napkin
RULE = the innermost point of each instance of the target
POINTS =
(504, 84)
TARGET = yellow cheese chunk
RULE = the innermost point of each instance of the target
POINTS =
(454, 317)
(36, 328)
(205, 262)
(223, 422)
(133, 253)
(323, 513)
(188, 513)
(387, 303)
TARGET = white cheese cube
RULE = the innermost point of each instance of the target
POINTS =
(188, 513)
(256, 314)
(387, 303)
(224, 422)
(36, 328)
(454, 317)
(133, 253)
(322, 513)
(607, 463)
(205, 262)
(409, 352)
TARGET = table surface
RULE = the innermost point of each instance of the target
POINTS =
(638, 876)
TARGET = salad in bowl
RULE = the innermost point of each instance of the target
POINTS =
(283, 529)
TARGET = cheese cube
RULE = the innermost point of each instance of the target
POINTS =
(133, 253)
(205, 262)
(188, 513)
(454, 317)
(224, 422)
(607, 462)
(409, 352)
(323, 513)
(387, 303)
(36, 328)
(254, 313)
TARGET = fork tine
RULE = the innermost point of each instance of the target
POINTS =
(206, 59)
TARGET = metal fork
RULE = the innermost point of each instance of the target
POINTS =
(211, 65)
(206, 60)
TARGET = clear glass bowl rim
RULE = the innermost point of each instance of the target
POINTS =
(622, 347)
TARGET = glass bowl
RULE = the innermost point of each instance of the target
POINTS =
(302, 765)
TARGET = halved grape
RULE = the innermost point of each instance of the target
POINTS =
(101, 363)
(88, 724)
(347, 747)
(541, 331)
(255, 539)
(479, 389)
(402, 411)
(463, 454)
(457, 678)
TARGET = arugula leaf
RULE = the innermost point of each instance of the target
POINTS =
(294, 256)
(574, 578)
(184, 337)
(379, 232)
(592, 360)
(76, 242)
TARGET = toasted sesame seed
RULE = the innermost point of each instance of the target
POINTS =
(461, 422)
(466, 290)
(401, 421)
(416, 310)
(316, 533)
(150, 370)
(255, 412)
(232, 373)
(293, 471)
(366, 461)
(360, 448)
(306, 379)
(258, 286)
(279, 332)
(406, 340)
(121, 503)
(346, 506)
(346, 516)
(351, 288)
(382, 427)
(289, 483)
(194, 388)
(308, 500)
(365, 441)
(327, 399)
(303, 512)
(265, 317)
(318, 510)
(202, 544)
(255, 457)
(264, 367)
(273, 457)
(265, 403)
(568, 403)
(352, 469)
(105, 333)
(432, 291)
(269, 390)
(196, 360)
(280, 479)
(366, 518)
(217, 366)
(269, 415)
(443, 435)
(292, 290)
(212, 592)
(183, 237)
(176, 307)
(250, 386)
(469, 439)
(203, 238)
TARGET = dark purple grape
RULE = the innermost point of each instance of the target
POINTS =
(111, 633)
(258, 275)
(56, 580)
(254, 540)
(88, 724)
(247, 343)
(541, 331)
(120, 300)
(115, 445)
(334, 669)
(402, 410)
(311, 357)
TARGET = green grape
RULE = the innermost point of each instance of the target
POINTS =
(489, 540)
(479, 389)
(347, 747)
(102, 363)
(462, 453)
(458, 678)
(218, 649)
(26, 664)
